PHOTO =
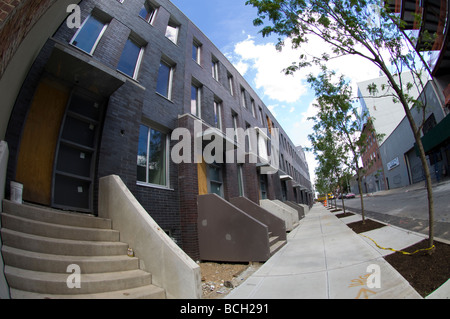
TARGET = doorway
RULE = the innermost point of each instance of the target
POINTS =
(58, 148)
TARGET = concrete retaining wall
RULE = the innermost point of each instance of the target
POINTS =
(4, 153)
(289, 215)
(170, 267)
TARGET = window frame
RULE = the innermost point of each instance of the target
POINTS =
(138, 60)
(197, 45)
(218, 114)
(166, 159)
(170, 79)
(175, 26)
(99, 37)
(198, 104)
(150, 17)
(215, 68)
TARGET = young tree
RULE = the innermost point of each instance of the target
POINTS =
(361, 28)
(337, 114)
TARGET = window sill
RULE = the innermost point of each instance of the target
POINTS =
(131, 79)
(165, 98)
(154, 186)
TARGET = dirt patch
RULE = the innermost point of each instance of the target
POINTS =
(369, 224)
(344, 215)
(219, 279)
(425, 272)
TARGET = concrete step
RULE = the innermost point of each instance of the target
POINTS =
(53, 283)
(50, 215)
(273, 239)
(30, 260)
(65, 247)
(34, 227)
(277, 246)
(144, 292)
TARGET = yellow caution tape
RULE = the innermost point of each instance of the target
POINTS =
(398, 251)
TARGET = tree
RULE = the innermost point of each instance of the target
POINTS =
(337, 114)
(362, 28)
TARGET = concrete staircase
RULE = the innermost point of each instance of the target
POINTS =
(40, 243)
(275, 243)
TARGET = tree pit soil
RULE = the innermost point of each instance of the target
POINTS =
(369, 224)
(425, 271)
(342, 215)
(219, 279)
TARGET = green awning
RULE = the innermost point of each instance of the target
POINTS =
(436, 136)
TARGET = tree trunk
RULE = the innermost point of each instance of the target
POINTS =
(423, 159)
(361, 198)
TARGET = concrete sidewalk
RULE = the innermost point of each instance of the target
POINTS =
(324, 259)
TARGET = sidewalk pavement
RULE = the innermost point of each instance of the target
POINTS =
(325, 259)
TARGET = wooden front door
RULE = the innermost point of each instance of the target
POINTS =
(39, 139)
(58, 149)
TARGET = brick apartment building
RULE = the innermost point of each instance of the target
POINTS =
(105, 99)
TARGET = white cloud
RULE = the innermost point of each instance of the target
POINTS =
(269, 63)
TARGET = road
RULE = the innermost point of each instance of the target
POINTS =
(408, 208)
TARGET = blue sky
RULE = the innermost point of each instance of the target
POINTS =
(229, 25)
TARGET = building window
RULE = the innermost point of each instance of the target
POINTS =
(235, 127)
(218, 115)
(131, 58)
(172, 32)
(261, 117)
(215, 179)
(215, 69)
(196, 51)
(165, 77)
(89, 35)
(254, 109)
(240, 180)
(148, 12)
(243, 102)
(230, 83)
(195, 100)
(152, 159)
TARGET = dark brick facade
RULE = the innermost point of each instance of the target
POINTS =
(136, 102)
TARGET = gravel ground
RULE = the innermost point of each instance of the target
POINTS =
(218, 279)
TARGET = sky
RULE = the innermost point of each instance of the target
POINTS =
(229, 25)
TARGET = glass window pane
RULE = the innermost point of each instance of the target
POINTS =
(129, 58)
(88, 35)
(194, 100)
(157, 158)
(195, 52)
(147, 13)
(172, 33)
(216, 188)
(142, 154)
(163, 84)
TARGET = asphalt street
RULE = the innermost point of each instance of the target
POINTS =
(408, 208)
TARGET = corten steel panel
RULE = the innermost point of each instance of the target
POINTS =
(228, 234)
(275, 225)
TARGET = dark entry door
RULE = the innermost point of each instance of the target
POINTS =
(76, 154)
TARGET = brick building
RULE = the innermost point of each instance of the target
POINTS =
(106, 99)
